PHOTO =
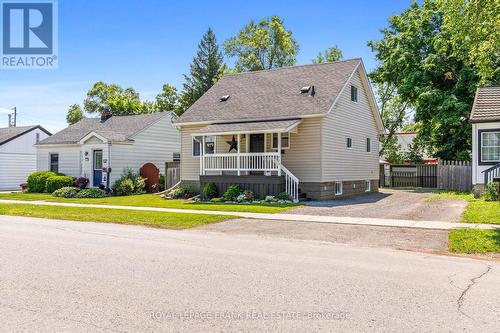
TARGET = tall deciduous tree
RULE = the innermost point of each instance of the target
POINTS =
(74, 115)
(474, 30)
(330, 55)
(416, 57)
(207, 67)
(121, 101)
(263, 45)
(167, 100)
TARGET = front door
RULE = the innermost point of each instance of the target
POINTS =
(256, 143)
(97, 180)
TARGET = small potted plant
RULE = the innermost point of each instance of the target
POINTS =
(81, 182)
(24, 187)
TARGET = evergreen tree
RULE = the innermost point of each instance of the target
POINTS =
(207, 67)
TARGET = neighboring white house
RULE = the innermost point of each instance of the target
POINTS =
(485, 119)
(18, 154)
(405, 139)
(101, 149)
(311, 128)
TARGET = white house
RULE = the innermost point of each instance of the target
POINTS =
(101, 149)
(311, 129)
(485, 119)
(18, 154)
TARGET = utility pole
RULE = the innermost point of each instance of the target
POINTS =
(13, 118)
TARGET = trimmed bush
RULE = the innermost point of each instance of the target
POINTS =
(91, 193)
(492, 192)
(184, 192)
(232, 193)
(284, 196)
(138, 183)
(210, 191)
(66, 192)
(161, 182)
(37, 181)
(54, 183)
(124, 187)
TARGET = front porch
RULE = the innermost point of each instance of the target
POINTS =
(247, 154)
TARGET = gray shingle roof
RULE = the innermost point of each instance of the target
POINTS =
(272, 93)
(486, 106)
(9, 133)
(116, 128)
(277, 125)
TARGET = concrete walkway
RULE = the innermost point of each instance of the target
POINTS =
(281, 217)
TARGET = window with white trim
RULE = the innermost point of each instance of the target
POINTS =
(368, 145)
(490, 147)
(349, 143)
(54, 162)
(285, 141)
(209, 145)
(368, 186)
(354, 94)
(338, 188)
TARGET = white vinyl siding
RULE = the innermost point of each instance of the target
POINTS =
(156, 144)
(190, 166)
(355, 121)
(477, 170)
(69, 159)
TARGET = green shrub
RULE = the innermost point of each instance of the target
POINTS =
(91, 193)
(161, 183)
(66, 192)
(284, 196)
(129, 176)
(232, 193)
(492, 192)
(54, 183)
(216, 200)
(124, 187)
(37, 181)
(210, 191)
(184, 192)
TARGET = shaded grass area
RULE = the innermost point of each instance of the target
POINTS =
(477, 211)
(151, 219)
(474, 241)
(148, 200)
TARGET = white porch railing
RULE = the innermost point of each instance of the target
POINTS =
(291, 184)
(252, 162)
(242, 162)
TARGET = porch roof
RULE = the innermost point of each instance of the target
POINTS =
(250, 127)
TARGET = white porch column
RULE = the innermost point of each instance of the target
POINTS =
(203, 154)
(279, 152)
(239, 157)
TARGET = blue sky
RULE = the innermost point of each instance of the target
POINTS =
(144, 44)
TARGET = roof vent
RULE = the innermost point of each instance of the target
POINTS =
(312, 92)
(224, 98)
(305, 89)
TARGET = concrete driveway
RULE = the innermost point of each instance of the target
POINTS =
(388, 204)
(86, 277)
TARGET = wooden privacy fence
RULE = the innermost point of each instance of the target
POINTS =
(446, 175)
(172, 173)
(455, 175)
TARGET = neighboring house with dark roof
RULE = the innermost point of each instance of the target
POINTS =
(485, 119)
(311, 129)
(102, 148)
(18, 154)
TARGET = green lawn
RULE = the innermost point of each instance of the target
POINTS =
(152, 219)
(148, 200)
(477, 211)
(474, 241)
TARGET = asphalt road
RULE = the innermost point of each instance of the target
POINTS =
(85, 277)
